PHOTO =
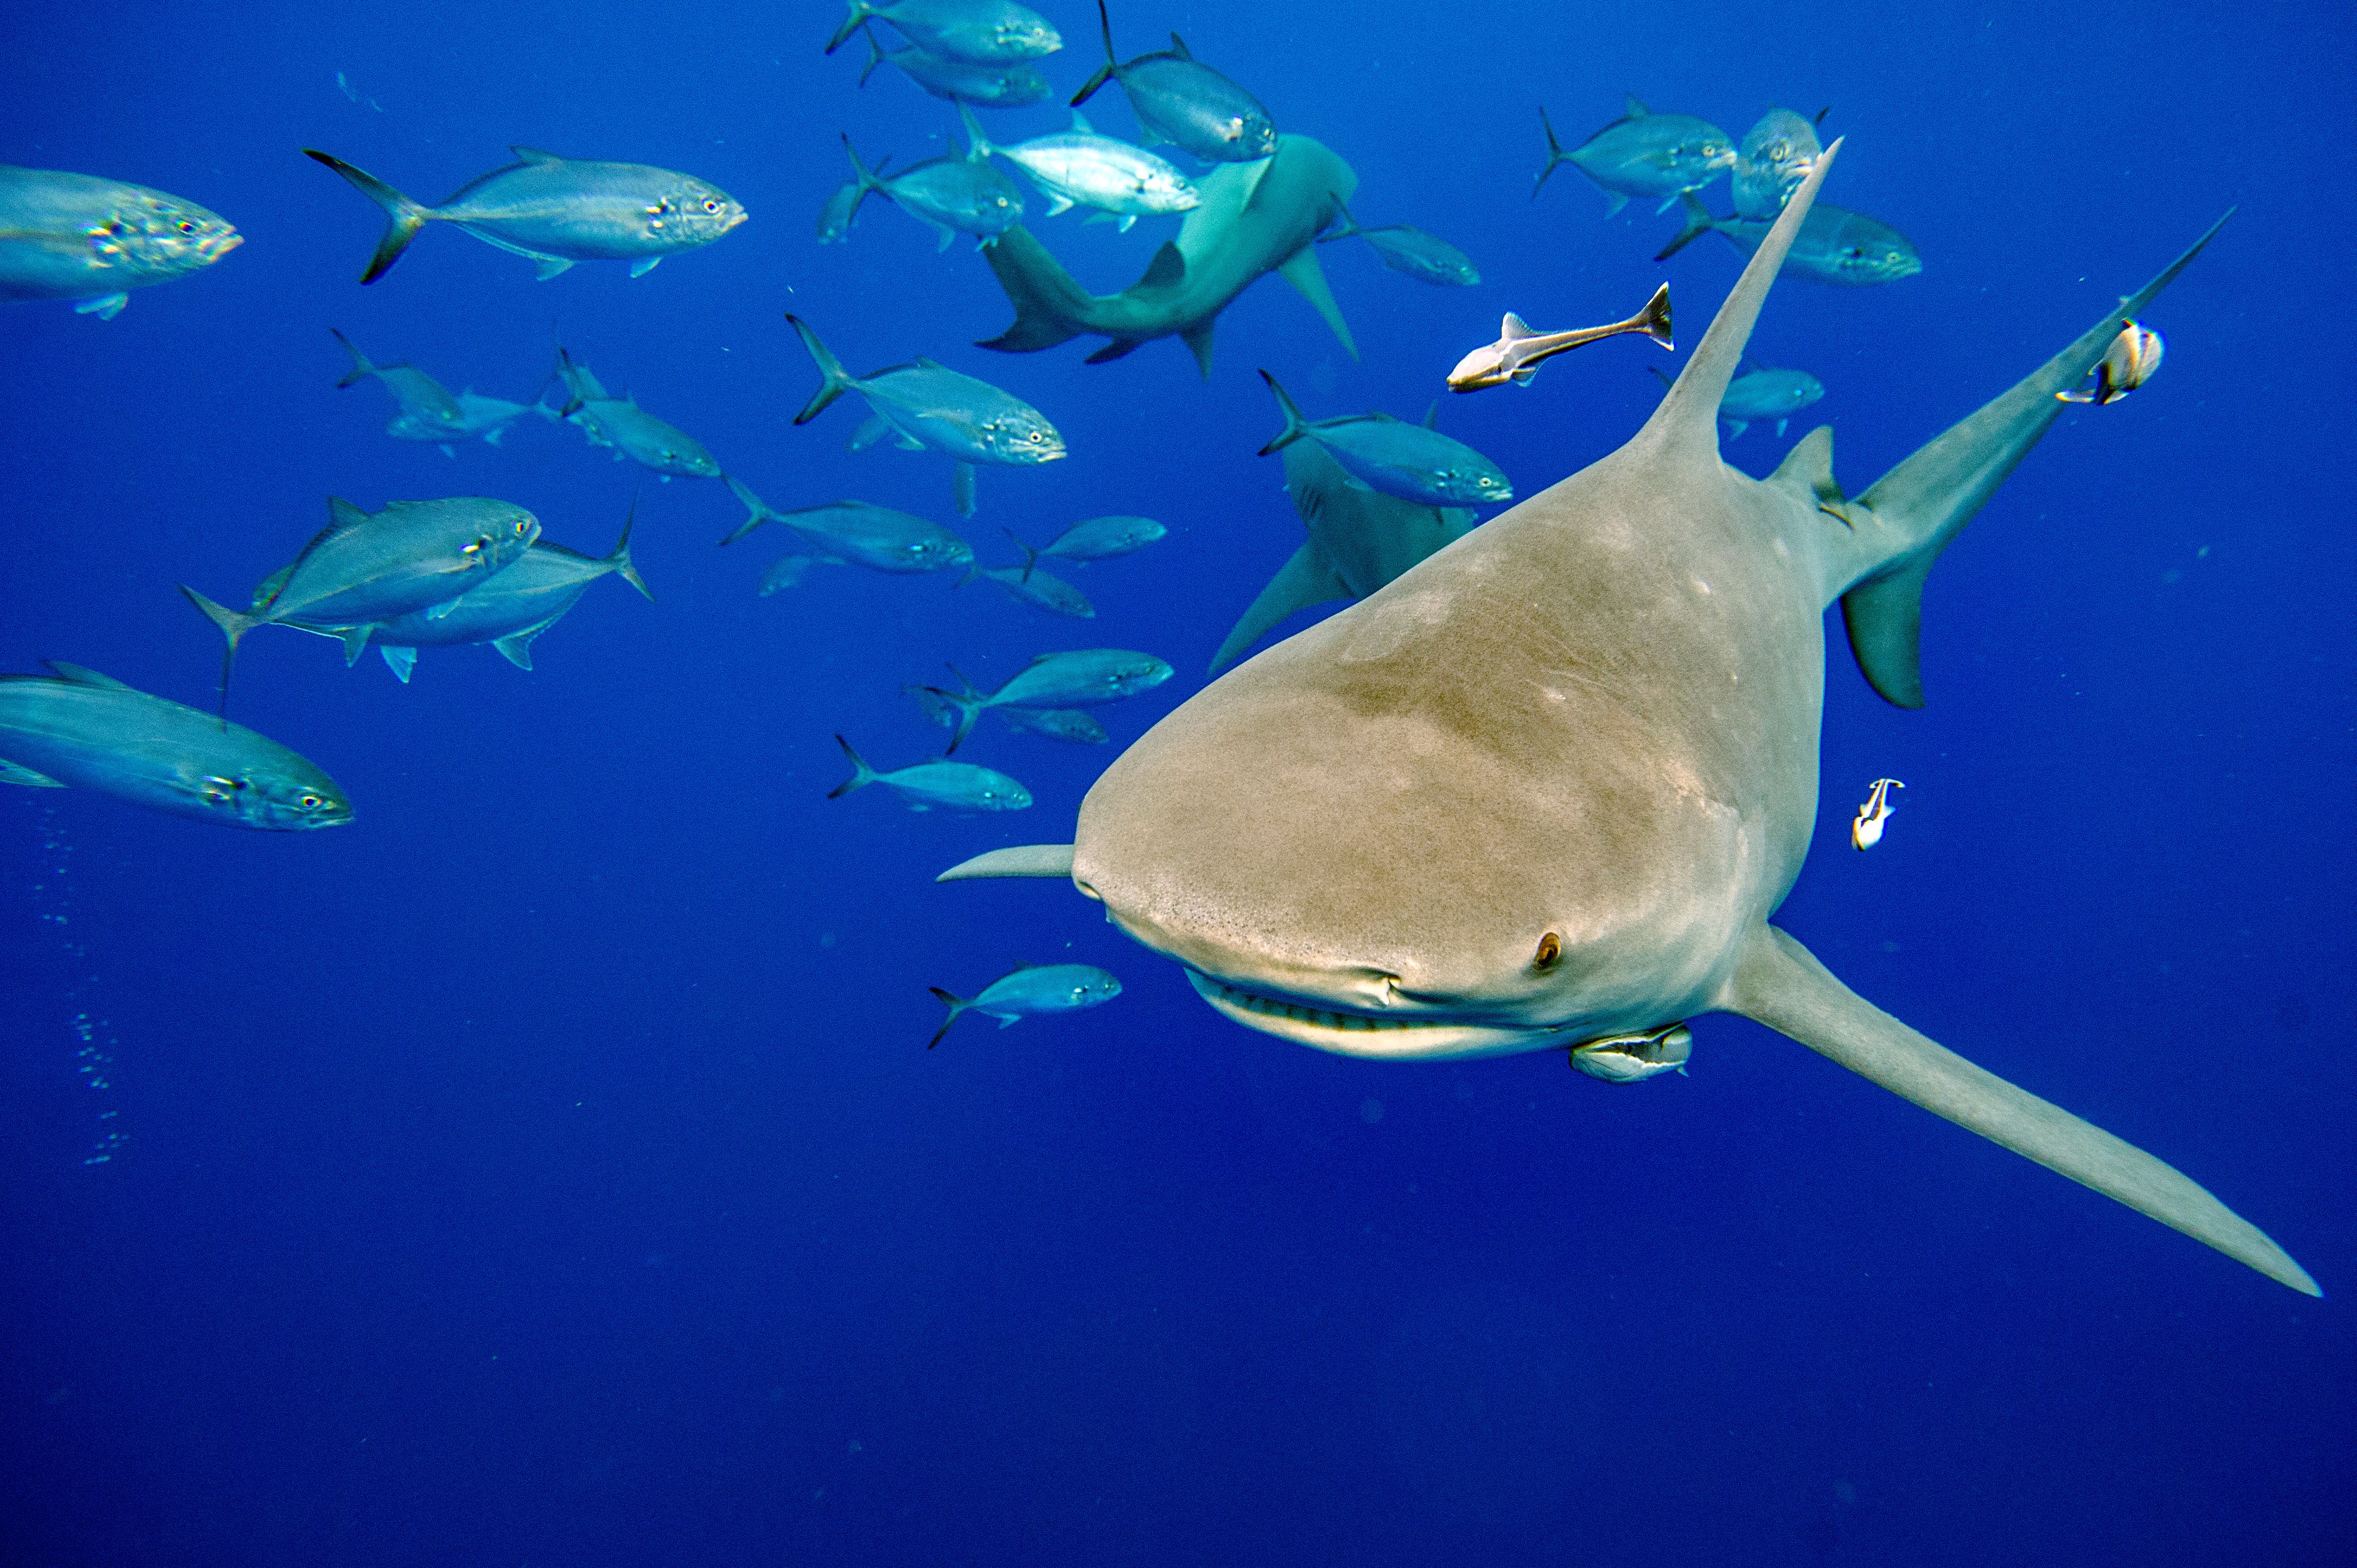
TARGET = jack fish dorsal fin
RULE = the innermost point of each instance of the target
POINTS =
(1179, 47)
(1685, 426)
(1809, 467)
(1167, 269)
(534, 156)
(81, 675)
(1633, 110)
(342, 514)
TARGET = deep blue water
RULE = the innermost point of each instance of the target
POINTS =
(546, 1169)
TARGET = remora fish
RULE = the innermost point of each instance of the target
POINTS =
(557, 211)
(620, 424)
(953, 786)
(980, 31)
(1103, 538)
(1030, 992)
(863, 534)
(78, 237)
(509, 611)
(83, 729)
(1178, 98)
(1414, 462)
(1775, 157)
(367, 568)
(1255, 218)
(1546, 789)
(949, 196)
(1643, 154)
(1836, 246)
(1085, 678)
(1406, 249)
(927, 404)
(427, 412)
(1079, 167)
(1517, 354)
(1359, 540)
(995, 86)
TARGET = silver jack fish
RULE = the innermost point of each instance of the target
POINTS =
(557, 211)
(427, 412)
(1836, 245)
(1517, 354)
(1087, 678)
(1042, 590)
(1178, 98)
(508, 612)
(365, 569)
(862, 534)
(80, 728)
(630, 431)
(1056, 723)
(1775, 157)
(1030, 992)
(993, 86)
(1103, 538)
(1643, 154)
(982, 32)
(1079, 167)
(1414, 462)
(78, 237)
(949, 196)
(1406, 249)
(953, 786)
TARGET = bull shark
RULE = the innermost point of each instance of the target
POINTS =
(1255, 218)
(1546, 789)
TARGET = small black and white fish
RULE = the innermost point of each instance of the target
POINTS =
(2126, 365)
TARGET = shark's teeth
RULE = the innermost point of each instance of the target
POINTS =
(1320, 1017)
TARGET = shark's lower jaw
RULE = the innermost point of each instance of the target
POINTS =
(1357, 1033)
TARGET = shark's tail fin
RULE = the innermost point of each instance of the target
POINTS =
(1911, 513)
(756, 511)
(361, 370)
(235, 625)
(619, 563)
(852, 23)
(1556, 154)
(1698, 222)
(1104, 71)
(956, 1005)
(1296, 426)
(406, 217)
(861, 774)
(833, 380)
(1050, 308)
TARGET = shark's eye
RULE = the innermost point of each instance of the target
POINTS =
(1550, 950)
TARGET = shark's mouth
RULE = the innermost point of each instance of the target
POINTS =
(1357, 1033)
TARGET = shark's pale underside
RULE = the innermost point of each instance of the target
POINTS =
(1547, 786)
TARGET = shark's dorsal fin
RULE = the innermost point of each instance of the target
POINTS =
(534, 156)
(1685, 426)
(1809, 467)
(1302, 271)
(1167, 269)
(1308, 578)
(81, 675)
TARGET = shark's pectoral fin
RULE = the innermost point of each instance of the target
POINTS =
(1302, 271)
(1308, 579)
(1778, 982)
(1022, 860)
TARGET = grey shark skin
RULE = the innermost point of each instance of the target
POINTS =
(1548, 786)
(1255, 218)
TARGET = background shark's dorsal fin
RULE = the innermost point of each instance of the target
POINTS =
(1911, 514)
(1809, 467)
(1686, 422)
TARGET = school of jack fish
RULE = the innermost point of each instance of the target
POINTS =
(1376, 494)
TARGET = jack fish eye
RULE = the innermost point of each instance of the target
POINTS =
(710, 205)
(1550, 950)
(312, 802)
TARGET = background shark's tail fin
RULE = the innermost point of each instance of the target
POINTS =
(1778, 982)
(1909, 516)
(1685, 423)
(1050, 308)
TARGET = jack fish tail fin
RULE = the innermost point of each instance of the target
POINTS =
(852, 23)
(977, 145)
(1698, 222)
(1556, 154)
(1050, 306)
(361, 370)
(1684, 425)
(862, 173)
(861, 774)
(875, 51)
(1349, 225)
(235, 625)
(1918, 507)
(956, 1005)
(1104, 71)
(406, 217)
(966, 703)
(618, 562)
(1778, 982)
(833, 380)
(756, 511)
(1296, 427)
